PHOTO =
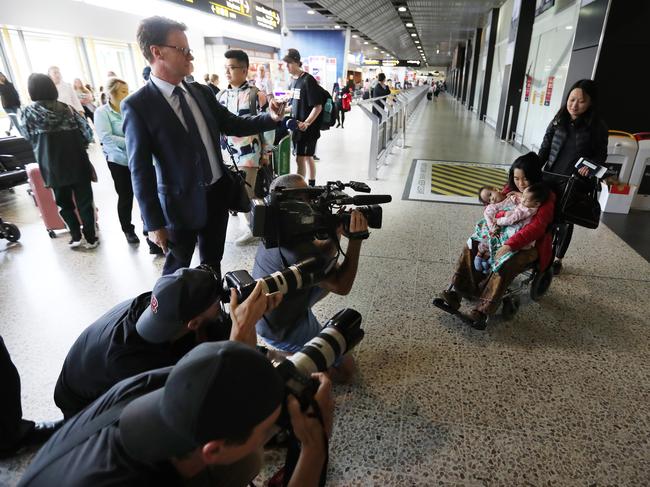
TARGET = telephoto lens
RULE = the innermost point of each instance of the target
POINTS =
(302, 275)
(339, 335)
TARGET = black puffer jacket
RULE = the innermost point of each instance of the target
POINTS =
(591, 140)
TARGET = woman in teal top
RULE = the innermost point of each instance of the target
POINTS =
(108, 125)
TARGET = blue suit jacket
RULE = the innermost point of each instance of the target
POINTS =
(165, 168)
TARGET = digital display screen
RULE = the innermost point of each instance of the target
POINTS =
(246, 12)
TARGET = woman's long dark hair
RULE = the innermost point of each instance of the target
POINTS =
(41, 87)
(591, 90)
(531, 165)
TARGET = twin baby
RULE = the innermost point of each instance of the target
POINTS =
(502, 218)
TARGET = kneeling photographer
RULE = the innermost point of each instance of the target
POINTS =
(292, 324)
(153, 330)
(201, 422)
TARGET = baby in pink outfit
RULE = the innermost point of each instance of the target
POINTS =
(513, 211)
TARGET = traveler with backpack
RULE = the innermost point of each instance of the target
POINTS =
(249, 151)
(306, 100)
(344, 104)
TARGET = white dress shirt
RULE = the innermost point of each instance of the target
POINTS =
(68, 96)
(167, 90)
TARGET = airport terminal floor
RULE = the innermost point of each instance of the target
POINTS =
(557, 396)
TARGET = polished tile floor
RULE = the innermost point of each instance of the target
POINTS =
(557, 396)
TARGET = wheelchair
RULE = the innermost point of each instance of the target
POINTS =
(9, 231)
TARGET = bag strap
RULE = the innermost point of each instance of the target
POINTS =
(80, 435)
(253, 104)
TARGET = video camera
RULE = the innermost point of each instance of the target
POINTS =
(290, 215)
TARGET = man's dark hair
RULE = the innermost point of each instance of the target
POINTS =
(237, 54)
(153, 31)
(540, 192)
(41, 87)
(381, 77)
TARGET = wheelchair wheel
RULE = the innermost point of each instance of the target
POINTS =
(541, 283)
(11, 232)
(510, 306)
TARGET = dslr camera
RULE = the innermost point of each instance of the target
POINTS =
(290, 215)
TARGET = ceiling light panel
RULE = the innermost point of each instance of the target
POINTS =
(378, 19)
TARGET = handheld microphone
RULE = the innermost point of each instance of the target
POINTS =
(290, 123)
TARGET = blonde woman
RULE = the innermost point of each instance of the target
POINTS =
(108, 125)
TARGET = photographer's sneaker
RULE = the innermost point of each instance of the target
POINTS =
(92, 244)
(73, 244)
(246, 239)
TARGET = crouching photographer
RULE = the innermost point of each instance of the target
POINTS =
(201, 422)
(288, 241)
(153, 330)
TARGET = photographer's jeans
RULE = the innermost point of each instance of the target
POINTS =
(304, 331)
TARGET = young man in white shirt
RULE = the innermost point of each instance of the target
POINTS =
(66, 92)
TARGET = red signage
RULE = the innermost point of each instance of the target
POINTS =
(529, 82)
(549, 90)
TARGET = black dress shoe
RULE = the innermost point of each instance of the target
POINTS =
(153, 248)
(556, 267)
(131, 237)
(37, 435)
(42, 432)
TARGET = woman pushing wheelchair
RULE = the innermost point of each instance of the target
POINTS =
(530, 244)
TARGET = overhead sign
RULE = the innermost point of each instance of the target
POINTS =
(248, 12)
(391, 63)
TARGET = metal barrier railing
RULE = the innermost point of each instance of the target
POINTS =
(389, 123)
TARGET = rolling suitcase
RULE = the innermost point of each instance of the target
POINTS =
(44, 200)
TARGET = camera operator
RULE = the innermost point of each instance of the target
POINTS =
(153, 330)
(292, 324)
(201, 422)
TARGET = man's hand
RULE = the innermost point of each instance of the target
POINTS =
(160, 238)
(276, 110)
(302, 126)
(244, 316)
(306, 425)
(358, 225)
(502, 251)
(311, 434)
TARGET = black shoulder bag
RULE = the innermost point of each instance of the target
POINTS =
(579, 203)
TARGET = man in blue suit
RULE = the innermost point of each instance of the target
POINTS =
(172, 132)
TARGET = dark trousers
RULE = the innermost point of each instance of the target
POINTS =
(13, 111)
(211, 238)
(82, 194)
(122, 181)
(565, 232)
(340, 116)
(12, 426)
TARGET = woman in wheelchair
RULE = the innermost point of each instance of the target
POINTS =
(530, 244)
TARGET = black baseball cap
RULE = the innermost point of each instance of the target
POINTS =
(176, 298)
(217, 390)
(292, 56)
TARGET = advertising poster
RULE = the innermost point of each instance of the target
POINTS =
(529, 82)
(549, 90)
(317, 66)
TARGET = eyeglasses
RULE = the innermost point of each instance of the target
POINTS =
(230, 68)
(186, 51)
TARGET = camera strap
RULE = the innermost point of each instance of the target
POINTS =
(293, 449)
